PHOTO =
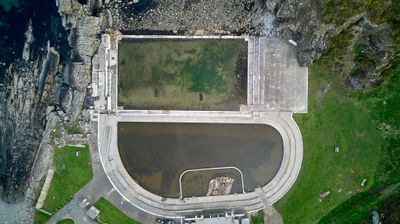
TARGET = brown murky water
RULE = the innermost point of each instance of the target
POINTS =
(155, 154)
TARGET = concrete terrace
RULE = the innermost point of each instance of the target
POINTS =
(277, 87)
(275, 81)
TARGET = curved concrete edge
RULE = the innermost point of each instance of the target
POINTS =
(175, 208)
(286, 179)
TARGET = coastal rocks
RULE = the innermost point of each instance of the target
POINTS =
(22, 113)
(231, 16)
(28, 41)
(31, 101)
(220, 186)
(87, 40)
(299, 21)
(271, 5)
(305, 23)
(70, 11)
(85, 29)
(19, 140)
(372, 49)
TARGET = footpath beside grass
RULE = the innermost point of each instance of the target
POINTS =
(71, 174)
(112, 215)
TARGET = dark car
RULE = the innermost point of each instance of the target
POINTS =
(165, 221)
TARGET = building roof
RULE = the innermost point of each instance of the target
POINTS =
(93, 212)
(219, 220)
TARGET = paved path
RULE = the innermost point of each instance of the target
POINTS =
(271, 215)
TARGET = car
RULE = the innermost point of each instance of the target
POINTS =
(84, 203)
(164, 221)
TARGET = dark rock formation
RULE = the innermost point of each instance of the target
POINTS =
(371, 51)
(22, 118)
(307, 24)
(85, 23)
(42, 90)
(189, 15)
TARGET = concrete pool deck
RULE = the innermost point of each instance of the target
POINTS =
(277, 87)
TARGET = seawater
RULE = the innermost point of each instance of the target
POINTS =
(46, 23)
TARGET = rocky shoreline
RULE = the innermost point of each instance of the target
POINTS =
(305, 22)
(42, 94)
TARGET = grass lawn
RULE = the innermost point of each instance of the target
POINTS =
(182, 74)
(259, 219)
(112, 215)
(40, 217)
(333, 119)
(366, 127)
(384, 102)
(71, 174)
(66, 221)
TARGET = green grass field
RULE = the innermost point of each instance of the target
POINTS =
(333, 120)
(71, 174)
(40, 217)
(182, 74)
(111, 215)
(259, 219)
(66, 221)
(365, 126)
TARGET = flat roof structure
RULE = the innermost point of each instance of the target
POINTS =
(219, 220)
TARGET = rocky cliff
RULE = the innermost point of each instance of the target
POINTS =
(22, 117)
(40, 92)
(314, 25)
(187, 17)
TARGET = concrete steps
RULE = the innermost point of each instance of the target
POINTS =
(250, 70)
(255, 85)
(275, 80)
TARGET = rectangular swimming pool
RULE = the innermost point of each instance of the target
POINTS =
(182, 74)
